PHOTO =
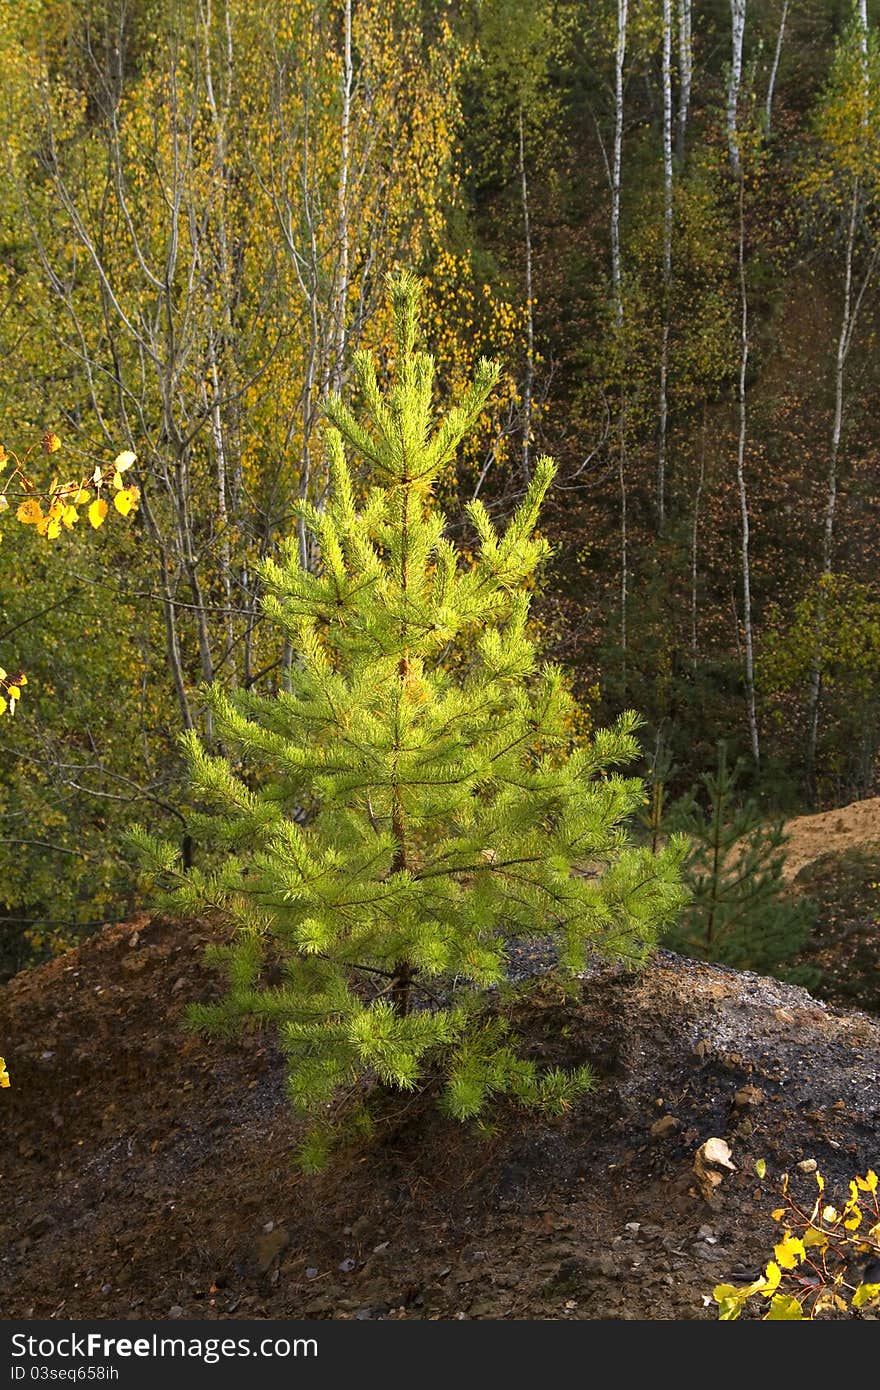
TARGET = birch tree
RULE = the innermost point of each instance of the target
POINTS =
(774, 67)
(685, 74)
(737, 31)
(844, 180)
(617, 291)
(666, 292)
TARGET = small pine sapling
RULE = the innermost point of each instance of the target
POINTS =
(414, 800)
(740, 911)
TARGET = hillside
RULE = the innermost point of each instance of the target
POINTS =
(147, 1174)
(854, 827)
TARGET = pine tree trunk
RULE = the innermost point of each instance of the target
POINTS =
(403, 973)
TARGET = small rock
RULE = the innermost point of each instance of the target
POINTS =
(311, 1272)
(175, 1311)
(747, 1096)
(269, 1247)
(634, 1226)
(667, 1125)
(347, 1265)
(807, 1165)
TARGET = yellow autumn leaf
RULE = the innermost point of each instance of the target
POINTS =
(51, 443)
(124, 460)
(4, 504)
(869, 1182)
(812, 1237)
(864, 1294)
(81, 497)
(4, 1075)
(70, 516)
(30, 512)
(4, 457)
(853, 1222)
(789, 1252)
(97, 512)
(126, 500)
(53, 528)
(771, 1280)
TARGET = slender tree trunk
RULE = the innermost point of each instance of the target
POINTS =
(667, 263)
(774, 70)
(685, 73)
(695, 537)
(620, 59)
(341, 310)
(844, 341)
(617, 289)
(738, 25)
(742, 402)
(529, 382)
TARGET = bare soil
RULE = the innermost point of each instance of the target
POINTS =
(146, 1173)
(853, 827)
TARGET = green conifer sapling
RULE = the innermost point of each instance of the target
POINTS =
(414, 801)
(740, 910)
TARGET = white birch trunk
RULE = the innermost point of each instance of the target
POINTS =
(774, 70)
(738, 25)
(685, 74)
(617, 287)
(620, 58)
(844, 342)
(529, 382)
(745, 551)
(667, 262)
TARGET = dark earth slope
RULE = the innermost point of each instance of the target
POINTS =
(146, 1173)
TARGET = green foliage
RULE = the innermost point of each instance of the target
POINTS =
(827, 1261)
(739, 911)
(836, 624)
(413, 801)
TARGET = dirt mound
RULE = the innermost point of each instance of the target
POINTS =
(853, 827)
(148, 1174)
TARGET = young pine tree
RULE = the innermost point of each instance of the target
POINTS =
(413, 801)
(739, 911)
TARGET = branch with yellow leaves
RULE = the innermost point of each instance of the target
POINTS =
(60, 506)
